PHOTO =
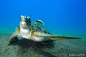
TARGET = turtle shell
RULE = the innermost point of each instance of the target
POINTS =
(36, 26)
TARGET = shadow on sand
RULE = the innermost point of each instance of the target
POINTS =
(37, 47)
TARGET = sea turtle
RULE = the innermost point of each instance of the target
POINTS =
(35, 31)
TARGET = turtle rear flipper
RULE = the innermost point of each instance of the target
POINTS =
(14, 38)
(40, 21)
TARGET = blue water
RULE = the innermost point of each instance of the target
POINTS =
(59, 16)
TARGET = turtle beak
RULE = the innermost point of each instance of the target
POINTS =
(23, 22)
(23, 19)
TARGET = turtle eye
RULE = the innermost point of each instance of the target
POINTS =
(28, 17)
(21, 16)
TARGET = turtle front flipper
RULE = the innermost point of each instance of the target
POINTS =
(40, 34)
(12, 39)
(14, 36)
(60, 37)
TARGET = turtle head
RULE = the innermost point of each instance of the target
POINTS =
(25, 21)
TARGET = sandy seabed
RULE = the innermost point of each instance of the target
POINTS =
(27, 48)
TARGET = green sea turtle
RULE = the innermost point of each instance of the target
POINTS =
(35, 31)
